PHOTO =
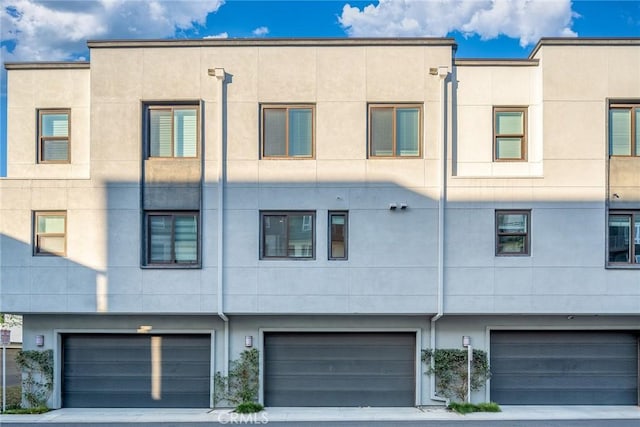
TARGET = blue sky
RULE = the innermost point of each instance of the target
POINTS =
(54, 30)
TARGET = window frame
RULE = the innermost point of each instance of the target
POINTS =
(44, 138)
(148, 263)
(523, 137)
(330, 255)
(633, 108)
(37, 235)
(527, 234)
(395, 107)
(288, 213)
(287, 107)
(151, 106)
(634, 258)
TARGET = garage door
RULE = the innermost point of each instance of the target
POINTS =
(339, 369)
(564, 368)
(118, 371)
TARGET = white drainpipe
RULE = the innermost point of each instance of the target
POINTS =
(219, 74)
(443, 72)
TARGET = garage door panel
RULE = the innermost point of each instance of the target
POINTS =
(340, 369)
(334, 352)
(564, 367)
(116, 370)
(345, 366)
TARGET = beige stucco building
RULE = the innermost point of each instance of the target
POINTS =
(338, 204)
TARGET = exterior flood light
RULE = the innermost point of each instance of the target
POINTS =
(393, 206)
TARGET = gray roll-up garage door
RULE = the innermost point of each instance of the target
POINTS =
(339, 369)
(129, 371)
(564, 367)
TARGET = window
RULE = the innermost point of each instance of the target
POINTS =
(512, 232)
(173, 130)
(338, 226)
(624, 237)
(287, 235)
(50, 231)
(395, 130)
(287, 131)
(509, 133)
(53, 136)
(172, 238)
(624, 130)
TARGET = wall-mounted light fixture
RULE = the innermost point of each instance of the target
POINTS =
(393, 206)
(403, 205)
(40, 340)
(248, 341)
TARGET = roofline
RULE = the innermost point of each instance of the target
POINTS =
(58, 65)
(397, 41)
(584, 41)
(495, 62)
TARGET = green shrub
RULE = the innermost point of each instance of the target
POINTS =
(14, 397)
(467, 408)
(450, 368)
(249, 408)
(242, 383)
(488, 407)
(37, 384)
(22, 411)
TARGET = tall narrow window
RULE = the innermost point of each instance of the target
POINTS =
(512, 232)
(53, 136)
(624, 237)
(624, 130)
(287, 131)
(173, 131)
(395, 130)
(338, 227)
(287, 235)
(50, 233)
(510, 136)
(172, 238)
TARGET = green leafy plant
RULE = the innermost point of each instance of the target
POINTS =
(21, 411)
(249, 408)
(467, 408)
(14, 397)
(37, 384)
(450, 368)
(242, 383)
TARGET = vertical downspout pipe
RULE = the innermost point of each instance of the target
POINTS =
(219, 74)
(443, 72)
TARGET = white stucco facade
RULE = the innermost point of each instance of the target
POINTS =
(395, 277)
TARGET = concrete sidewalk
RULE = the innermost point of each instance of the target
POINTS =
(148, 415)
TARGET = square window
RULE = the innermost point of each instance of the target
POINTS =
(512, 232)
(173, 131)
(287, 131)
(172, 238)
(338, 232)
(53, 136)
(50, 233)
(287, 235)
(395, 130)
(624, 237)
(509, 133)
(624, 129)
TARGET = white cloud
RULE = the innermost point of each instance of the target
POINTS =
(261, 31)
(224, 35)
(526, 20)
(38, 30)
